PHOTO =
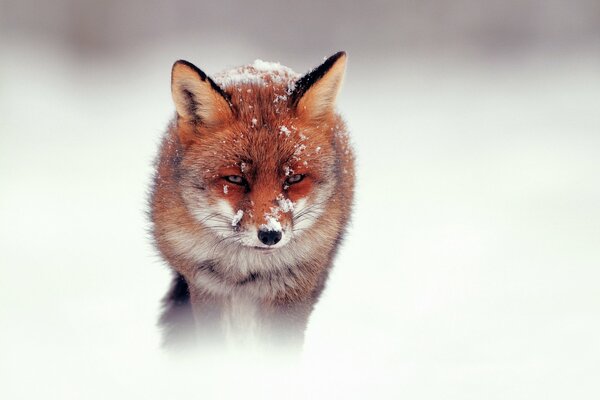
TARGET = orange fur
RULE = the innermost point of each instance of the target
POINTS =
(253, 129)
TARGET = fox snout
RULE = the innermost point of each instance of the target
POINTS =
(275, 229)
(251, 226)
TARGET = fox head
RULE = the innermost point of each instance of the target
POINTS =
(256, 160)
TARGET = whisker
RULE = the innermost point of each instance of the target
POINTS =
(235, 238)
(311, 208)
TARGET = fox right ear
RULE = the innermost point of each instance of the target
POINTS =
(198, 99)
(315, 93)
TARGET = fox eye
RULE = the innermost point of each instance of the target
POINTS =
(236, 179)
(294, 179)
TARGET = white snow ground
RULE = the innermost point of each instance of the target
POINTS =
(471, 270)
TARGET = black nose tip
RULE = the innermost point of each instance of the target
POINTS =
(269, 237)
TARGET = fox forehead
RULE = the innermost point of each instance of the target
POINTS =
(259, 91)
(279, 142)
(260, 151)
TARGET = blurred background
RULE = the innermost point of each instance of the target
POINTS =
(472, 265)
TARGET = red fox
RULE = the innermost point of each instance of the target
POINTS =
(251, 197)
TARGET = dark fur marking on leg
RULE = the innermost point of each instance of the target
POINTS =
(177, 319)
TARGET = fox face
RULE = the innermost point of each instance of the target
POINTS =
(259, 186)
(257, 161)
(255, 178)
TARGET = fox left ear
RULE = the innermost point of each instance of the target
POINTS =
(315, 93)
(198, 99)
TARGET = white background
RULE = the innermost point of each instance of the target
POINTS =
(470, 271)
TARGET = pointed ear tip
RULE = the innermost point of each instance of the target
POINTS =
(183, 65)
(339, 59)
(340, 55)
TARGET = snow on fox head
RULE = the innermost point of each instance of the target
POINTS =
(257, 164)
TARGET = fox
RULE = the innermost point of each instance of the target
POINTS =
(251, 198)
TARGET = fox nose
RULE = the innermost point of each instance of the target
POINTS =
(269, 237)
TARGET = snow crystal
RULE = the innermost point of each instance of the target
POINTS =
(259, 72)
(237, 218)
(254, 122)
(285, 130)
(271, 225)
(291, 87)
(279, 97)
(225, 189)
(299, 149)
(273, 67)
(285, 205)
(318, 149)
(237, 76)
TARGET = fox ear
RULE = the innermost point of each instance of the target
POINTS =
(198, 99)
(315, 93)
